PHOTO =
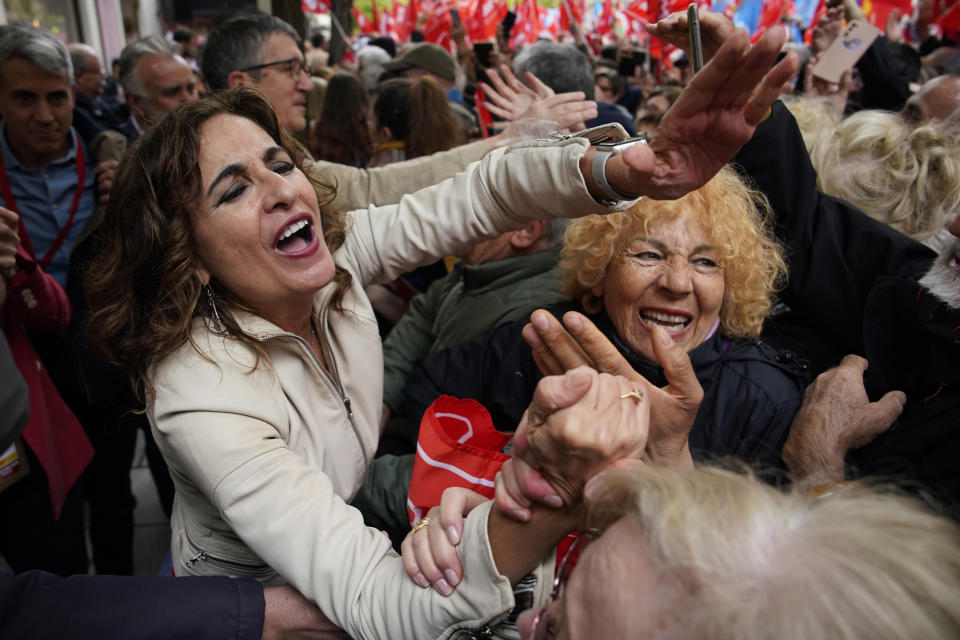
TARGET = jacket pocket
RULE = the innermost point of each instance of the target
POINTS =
(199, 560)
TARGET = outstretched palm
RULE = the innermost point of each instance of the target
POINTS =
(714, 116)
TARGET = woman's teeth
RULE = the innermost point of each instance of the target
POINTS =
(666, 320)
(292, 229)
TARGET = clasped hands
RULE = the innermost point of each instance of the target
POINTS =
(591, 413)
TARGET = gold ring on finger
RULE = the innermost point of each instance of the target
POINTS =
(635, 394)
(420, 525)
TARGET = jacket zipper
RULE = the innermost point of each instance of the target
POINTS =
(206, 557)
(333, 379)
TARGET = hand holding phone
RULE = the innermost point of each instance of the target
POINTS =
(845, 50)
(696, 47)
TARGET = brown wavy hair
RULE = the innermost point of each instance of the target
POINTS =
(734, 216)
(142, 286)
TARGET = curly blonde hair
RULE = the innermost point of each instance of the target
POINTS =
(735, 218)
(903, 175)
(142, 284)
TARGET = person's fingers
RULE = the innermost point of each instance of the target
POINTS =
(754, 69)
(854, 363)
(576, 110)
(878, 417)
(544, 358)
(408, 558)
(424, 553)
(542, 90)
(769, 90)
(508, 81)
(494, 96)
(444, 556)
(719, 77)
(509, 498)
(846, 81)
(6, 215)
(597, 346)
(560, 344)
(533, 485)
(513, 82)
(497, 111)
(554, 393)
(453, 508)
(677, 368)
(501, 88)
(553, 101)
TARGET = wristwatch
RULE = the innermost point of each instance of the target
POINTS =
(598, 168)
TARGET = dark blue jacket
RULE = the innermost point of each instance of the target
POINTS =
(40, 605)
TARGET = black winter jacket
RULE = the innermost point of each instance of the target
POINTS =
(751, 392)
(853, 288)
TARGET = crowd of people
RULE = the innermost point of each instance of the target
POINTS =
(706, 321)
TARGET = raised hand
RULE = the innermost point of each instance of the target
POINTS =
(512, 100)
(713, 117)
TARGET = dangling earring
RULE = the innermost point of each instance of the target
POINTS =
(221, 328)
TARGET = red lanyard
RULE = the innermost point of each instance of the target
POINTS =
(12, 205)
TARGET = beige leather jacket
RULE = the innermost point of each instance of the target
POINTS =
(357, 188)
(265, 458)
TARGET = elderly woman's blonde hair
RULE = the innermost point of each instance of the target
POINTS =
(751, 562)
(903, 175)
(735, 219)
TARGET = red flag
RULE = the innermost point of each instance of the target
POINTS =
(458, 446)
(483, 18)
(636, 14)
(315, 6)
(405, 19)
(364, 24)
(770, 13)
(571, 10)
(528, 26)
(821, 10)
(604, 24)
(437, 27)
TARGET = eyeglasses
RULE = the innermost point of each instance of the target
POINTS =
(293, 66)
(544, 627)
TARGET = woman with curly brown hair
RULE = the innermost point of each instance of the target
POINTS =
(234, 296)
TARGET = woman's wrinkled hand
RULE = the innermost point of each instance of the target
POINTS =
(429, 554)
(570, 442)
(711, 120)
(578, 342)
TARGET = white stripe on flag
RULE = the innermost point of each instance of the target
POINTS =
(452, 469)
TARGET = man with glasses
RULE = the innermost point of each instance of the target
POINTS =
(263, 52)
